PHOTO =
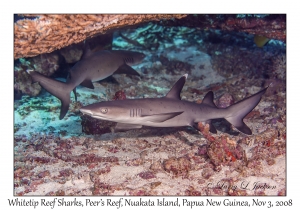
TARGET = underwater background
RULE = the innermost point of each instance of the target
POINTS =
(79, 155)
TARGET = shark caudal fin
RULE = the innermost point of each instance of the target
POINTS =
(58, 89)
(239, 110)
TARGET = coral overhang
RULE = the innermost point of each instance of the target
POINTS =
(50, 32)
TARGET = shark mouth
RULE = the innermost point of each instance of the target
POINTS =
(93, 115)
(87, 112)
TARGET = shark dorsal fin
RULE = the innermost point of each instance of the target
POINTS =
(209, 99)
(174, 93)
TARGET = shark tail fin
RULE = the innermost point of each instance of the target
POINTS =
(59, 89)
(239, 110)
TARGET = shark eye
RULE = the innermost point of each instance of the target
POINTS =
(104, 110)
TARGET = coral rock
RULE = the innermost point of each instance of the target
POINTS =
(119, 95)
(177, 166)
(94, 126)
(223, 151)
(46, 64)
(225, 100)
(23, 83)
(191, 192)
(156, 166)
(146, 175)
(207, 172)
(44, 174)
(72, 53)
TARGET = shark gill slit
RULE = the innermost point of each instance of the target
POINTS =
(135, 112)
(128, 60)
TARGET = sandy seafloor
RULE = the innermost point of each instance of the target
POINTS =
(54, 157)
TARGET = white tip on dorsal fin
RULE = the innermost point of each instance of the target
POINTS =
(186, 75)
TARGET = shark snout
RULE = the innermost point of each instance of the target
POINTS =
(142, 56)
(139, 57)
(86, 111)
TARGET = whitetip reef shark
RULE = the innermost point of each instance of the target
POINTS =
(171, 111)
(94, 67)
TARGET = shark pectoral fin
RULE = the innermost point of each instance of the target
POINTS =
(160, 117)
(124, 126)
(212, 128)
(87, 83)
(75, 94)
(64, 108)
(125, 69)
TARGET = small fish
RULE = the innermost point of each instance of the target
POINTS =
(260, 41)
(171, 111)
(94, 67)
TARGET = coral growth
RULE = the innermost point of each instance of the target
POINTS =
(224, 150)
(175, 66)
(23, 83)
(72, 53)
(119, 95)
(270, 26)
(47, 33)
(46, 64)
(279, 65)
(225, 100)
(142, 165)
(237, 61)
(177, 166)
